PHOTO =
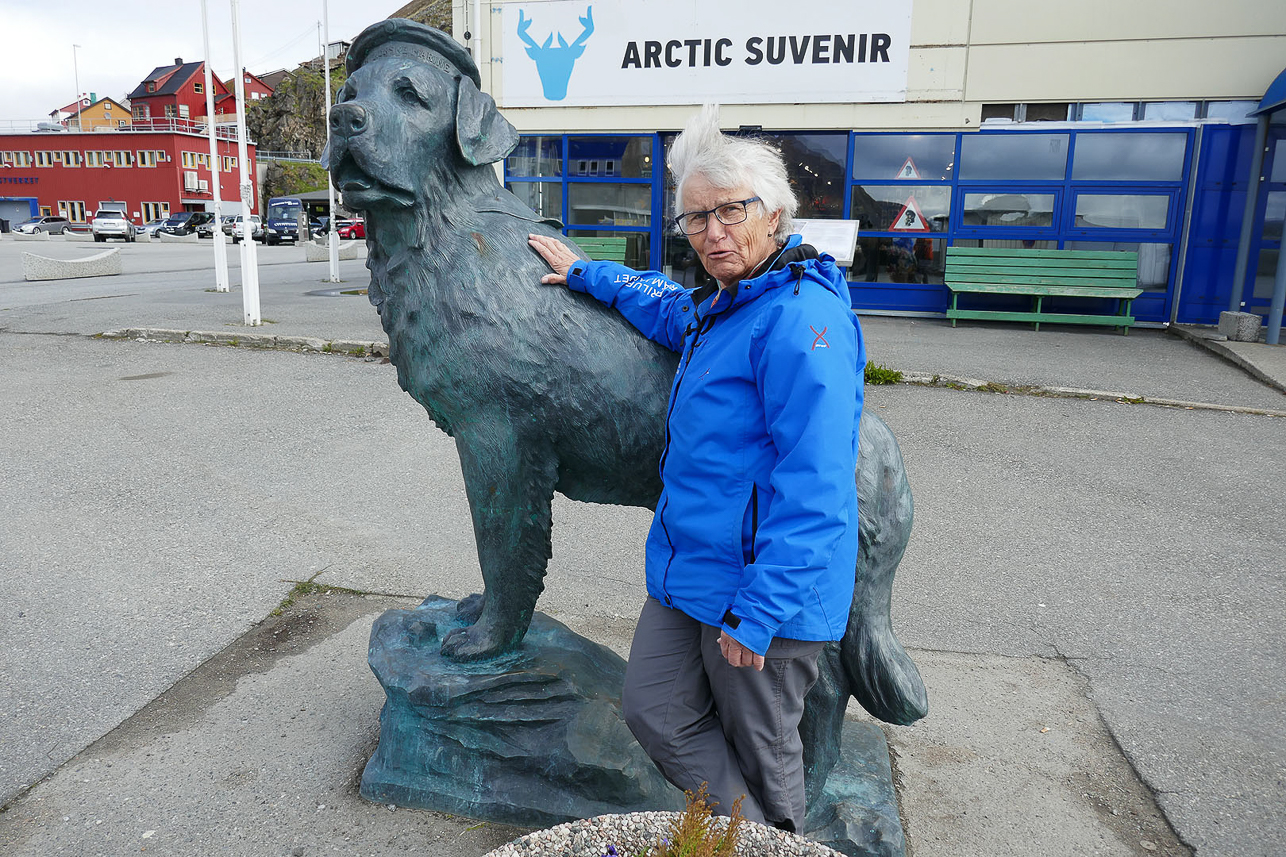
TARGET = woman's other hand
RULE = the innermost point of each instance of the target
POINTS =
(738, 655)
(556, 254)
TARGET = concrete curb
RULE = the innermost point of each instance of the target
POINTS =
(925, 379)
(355, 348)
(345, 347)
(1217, 344)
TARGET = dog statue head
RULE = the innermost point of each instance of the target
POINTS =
(411, 129)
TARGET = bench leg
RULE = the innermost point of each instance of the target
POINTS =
(1036, 309)
(1125, 328)
(955, 296)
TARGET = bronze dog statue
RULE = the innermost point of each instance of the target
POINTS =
(544, 389)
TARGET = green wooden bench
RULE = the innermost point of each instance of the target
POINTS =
(610, 249)
(1039, 274)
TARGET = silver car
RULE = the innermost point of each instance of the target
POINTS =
(112, 223)
(52, 224)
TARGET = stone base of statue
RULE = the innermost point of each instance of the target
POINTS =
(536, 738)
(533, 738)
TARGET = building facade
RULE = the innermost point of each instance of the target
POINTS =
(175, 92)
(151, 173)
(933, 123)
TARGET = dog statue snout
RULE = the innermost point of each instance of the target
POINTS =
(347, 120)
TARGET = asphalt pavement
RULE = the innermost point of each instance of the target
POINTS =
(1093, 589)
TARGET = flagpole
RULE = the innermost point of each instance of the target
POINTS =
(220, 246)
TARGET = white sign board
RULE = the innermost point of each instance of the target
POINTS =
(637, 52)
(836, 237)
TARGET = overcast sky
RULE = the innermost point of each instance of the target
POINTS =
(120, 42)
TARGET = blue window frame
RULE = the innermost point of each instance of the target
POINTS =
(595, 184)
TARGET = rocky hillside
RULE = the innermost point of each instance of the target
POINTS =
(292, 119)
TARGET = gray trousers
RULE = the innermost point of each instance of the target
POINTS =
(703, 721)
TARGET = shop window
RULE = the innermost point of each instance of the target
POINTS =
(899, 260)
(1008, 210)
(1170, 111)
(1145, 157)
(1108, 111)
(1021, 156)
(1274, 215)
(1121, 211)
(1053, 111)
(609, 203)
(638, 245)
(544, 198)
(1278, 173)
(536, 156)
(910, 157)
(1000, 111)
(630, 157)
(1154, 260)
(815, 168)
(901, 208)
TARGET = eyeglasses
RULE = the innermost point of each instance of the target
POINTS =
(729, 214)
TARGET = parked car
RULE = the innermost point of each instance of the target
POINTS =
(151, 226)
(54, 225)
(111, 223)
(232, 226)
(186, 222)
(351, 228)
(206, 229)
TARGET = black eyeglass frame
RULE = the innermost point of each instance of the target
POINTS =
(744, 203)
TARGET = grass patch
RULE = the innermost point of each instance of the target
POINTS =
(876, 374)
(305, 588)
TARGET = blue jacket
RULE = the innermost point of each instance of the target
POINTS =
(756, 528)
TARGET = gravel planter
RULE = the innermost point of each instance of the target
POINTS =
(633, 834)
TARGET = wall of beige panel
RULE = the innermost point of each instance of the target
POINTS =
(966, 53)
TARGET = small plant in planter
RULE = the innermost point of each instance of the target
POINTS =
(695, 833)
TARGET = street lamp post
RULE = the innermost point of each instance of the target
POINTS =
(220, 249)
(75, 70)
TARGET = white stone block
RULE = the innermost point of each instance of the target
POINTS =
(104, 264)
(1240, 326)
(167, 238)
(321, 253)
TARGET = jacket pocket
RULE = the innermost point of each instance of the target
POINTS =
(750, 526)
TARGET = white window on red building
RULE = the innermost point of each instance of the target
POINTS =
(155, 211)
(95, 159)
(169, 111)
(69, 159)
(73, 210)
(45, 159)
(183, 111)
(15, 159)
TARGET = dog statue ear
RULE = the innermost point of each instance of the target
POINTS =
(483, 134)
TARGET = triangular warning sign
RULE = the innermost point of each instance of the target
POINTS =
(908, 171)
(910, 219)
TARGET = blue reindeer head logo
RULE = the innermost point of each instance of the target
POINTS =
(554, 64)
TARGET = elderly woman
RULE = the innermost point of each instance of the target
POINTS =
(751, 552)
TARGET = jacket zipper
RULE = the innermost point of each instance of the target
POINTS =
(701, 327)
(754, 519)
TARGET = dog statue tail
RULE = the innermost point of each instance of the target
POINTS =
(881, 675)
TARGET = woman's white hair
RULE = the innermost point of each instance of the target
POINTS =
(728, 162)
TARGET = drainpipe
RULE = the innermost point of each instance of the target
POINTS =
(1248, 216)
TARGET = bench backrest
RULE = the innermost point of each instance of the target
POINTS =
(1099, 268)
(611, 249)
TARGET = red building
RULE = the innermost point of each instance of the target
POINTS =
(174, 92)
(225, 106)
(154, 168)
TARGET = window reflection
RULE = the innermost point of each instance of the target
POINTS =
(610, 157)
(544, 198)
(1154, 260)
(1034, 157)
(609, 203)
(1108, 111)
(885, 156)
(1129, 157)
(1121, 211)
(1008, 209)
(902, 208)
(899, 260)
(536, 156)
(1170, 111)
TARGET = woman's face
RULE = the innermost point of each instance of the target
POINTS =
(729, 253)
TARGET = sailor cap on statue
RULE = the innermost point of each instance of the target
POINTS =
(405, 38)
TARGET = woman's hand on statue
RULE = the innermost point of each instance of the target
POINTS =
(556, 254)
(738, 655)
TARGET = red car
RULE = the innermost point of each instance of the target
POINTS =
(351, 228)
